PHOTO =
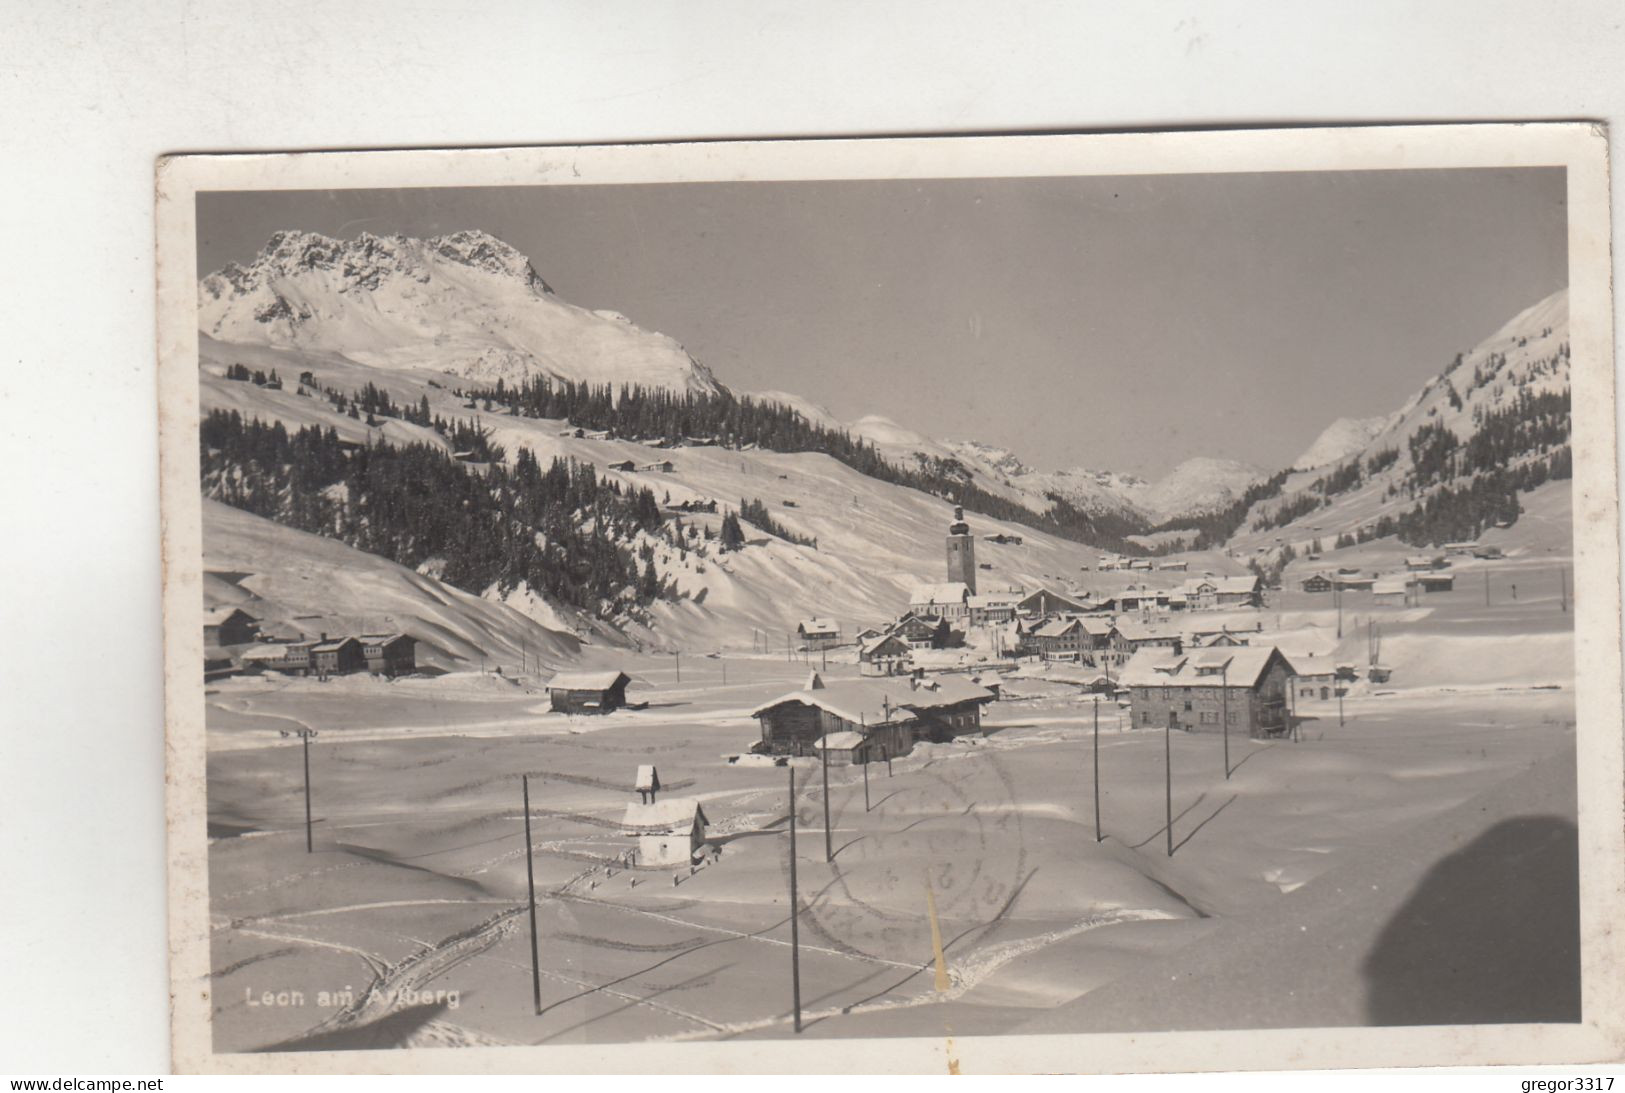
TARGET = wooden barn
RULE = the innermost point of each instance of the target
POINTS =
(390, 654)
(669, 832)
(890, 714)
(587, 692)
(229, 626)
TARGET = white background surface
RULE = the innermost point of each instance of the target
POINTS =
(91, 94)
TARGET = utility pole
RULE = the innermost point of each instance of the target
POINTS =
(304, 736)
(679, 658)
(724, 670)
(866, 778)
(823, 750)
(1563, 600)
(1337, 594)
(1341, 691)
(1168, 778)
(530, 881)
(795, 932)
(885, 754)
(1224, 692)
(1098, 835)
(1486, 586)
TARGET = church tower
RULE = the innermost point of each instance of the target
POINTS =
(961, 551)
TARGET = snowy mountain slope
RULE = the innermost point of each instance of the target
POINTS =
(465, 303)
(1341, 439)
(300, 583)
(1526, 355)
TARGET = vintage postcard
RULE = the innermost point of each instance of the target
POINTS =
(1083, 603)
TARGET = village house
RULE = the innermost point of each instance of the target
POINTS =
(228, 626)
(587, 692)
(1174, 566)
(1355, 582)
(389, 654)
(1206, 639)
(993, 608)
(818, 634)
(885, 655)
(1421, 563)
(1487, 552)
(669, 832)
(1435, 582)
(1315, 684)
(1204, 690)
(663, 466)
(1317, 583)
(868, 633)
(1128, 637)
(923, 631)
(1060, 639)
(293, 658)
(1210, 592)
(623, 465)
(336, 656)
(890, 714)
(1391, 591)
(950, 600)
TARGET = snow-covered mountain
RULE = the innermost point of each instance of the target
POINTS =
(465, 303)
(1527, 356)
(1341, 439)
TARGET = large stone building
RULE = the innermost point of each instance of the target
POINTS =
(1246, 686)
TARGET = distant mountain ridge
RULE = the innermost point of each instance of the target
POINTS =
(466, 303)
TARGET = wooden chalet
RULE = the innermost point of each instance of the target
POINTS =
(818, 634)
(885, 655)
(587, 692)
(389, 654)
(336, 656)
(923, 631)
(229, 626)
(1317, 583)
(889, 714)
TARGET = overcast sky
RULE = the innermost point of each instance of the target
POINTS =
(1124, 323)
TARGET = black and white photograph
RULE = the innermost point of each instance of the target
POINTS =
(833, 598)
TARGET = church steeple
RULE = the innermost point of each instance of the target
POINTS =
(961, 551)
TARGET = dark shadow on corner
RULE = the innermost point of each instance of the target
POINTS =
(1491, 935)
(391, 1030)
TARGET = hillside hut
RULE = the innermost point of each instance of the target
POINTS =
(669, 832)
(587, 692)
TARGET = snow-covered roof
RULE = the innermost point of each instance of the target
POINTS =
(214, 616)
(811, 627)
(1138, 631)
(264, 652)
(330, 646)
(882, 701)
(648, 777)
(839, 740)
(1055, 628)
(586, 681)
(995, 599)
(948, 592)
(668, 816)
(1238, 666)
(1390, 584)
(869, 647)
